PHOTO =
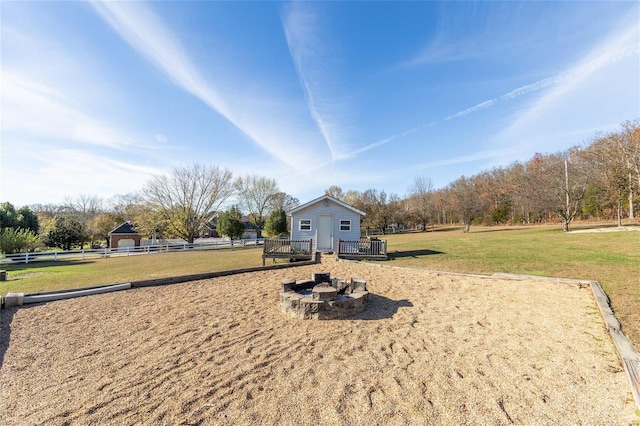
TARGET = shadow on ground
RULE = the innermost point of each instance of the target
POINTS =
(381, 307)
(21, 267)
(6, 317)
(412, 253)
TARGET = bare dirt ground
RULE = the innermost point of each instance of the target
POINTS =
(431, 349)
(626, 228)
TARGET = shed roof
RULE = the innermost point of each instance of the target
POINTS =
(125, 228)
(321, 199)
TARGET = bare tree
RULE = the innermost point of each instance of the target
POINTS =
(188, 197)
(381, 209)
(443, 206)
(87, 207)
(353, 198)
(561, 181)
(335, 191)
(123, 206)
(284, 201)
(523, 193)
(496, 193)
(466, 199)
(573, 189)
(256, 195)
(628, 141)
(420, 202)
(611, 173)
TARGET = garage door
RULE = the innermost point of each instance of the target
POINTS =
(126, 242)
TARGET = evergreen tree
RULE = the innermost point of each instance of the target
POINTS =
(27, 220)
(276, 222)
(230, 223)
(66, 232)
(8, 216)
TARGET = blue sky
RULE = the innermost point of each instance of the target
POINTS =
(98, 96)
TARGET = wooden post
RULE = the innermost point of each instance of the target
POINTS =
(628, 354)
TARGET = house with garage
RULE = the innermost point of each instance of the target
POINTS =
(325, 220)
(124, 236)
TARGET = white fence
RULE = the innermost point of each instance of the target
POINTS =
(163, 246)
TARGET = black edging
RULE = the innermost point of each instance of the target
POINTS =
(180, 279)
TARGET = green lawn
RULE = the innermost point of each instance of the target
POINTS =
(45, 276)
(612, 258)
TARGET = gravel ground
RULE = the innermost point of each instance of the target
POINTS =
(430, 349)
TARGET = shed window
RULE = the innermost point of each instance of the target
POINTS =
(345, 225)
(305, 225)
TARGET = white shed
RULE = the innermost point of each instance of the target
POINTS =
(325, 220)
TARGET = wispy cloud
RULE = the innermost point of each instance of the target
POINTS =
(443, 50)
(469, 31)
(571, 76)
(54, 173)
(59, 137)
(477, 156)
(45, 111)
(604, 85)
(313, 65)
(111, 173)
(141, 28)
(576, 73)
(483, 105)
(383, 142)
(355, 153)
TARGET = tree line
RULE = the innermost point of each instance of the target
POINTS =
(599, 180)
(179, 204)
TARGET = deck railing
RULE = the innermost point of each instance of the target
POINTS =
(284, 248)
(365, 248)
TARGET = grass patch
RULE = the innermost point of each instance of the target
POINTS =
(46, 276)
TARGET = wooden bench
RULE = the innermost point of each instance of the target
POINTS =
(284, 248)
(365, 248)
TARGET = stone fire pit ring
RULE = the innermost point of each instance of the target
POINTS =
(323, 298)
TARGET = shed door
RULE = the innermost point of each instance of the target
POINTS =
(325, 226)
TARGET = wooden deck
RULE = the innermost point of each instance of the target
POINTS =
(284, 248)
(365, 248)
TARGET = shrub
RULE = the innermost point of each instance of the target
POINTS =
(18, 240)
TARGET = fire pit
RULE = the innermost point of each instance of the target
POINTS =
(323, 298)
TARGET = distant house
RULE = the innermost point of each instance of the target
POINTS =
(124, 236)
(210, 230)
(250, 230)
(325, 220)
